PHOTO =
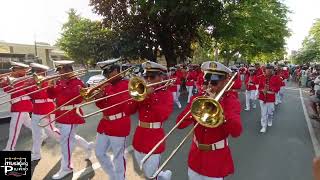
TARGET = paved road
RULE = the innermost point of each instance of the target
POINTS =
(285, 152)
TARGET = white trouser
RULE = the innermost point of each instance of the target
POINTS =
(250, 95)
(242, 77)
(17, 119)
(189, 90)
(266, 112)
(151, 165)
(178, 90)
(37, 131)
(52, 132)
(67, 142)
(195, 176)
(279, 95)
(175, 99)
(115, 167)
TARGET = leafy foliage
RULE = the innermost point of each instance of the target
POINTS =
(86, 41)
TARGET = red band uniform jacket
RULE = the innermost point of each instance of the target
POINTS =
(119, 127)
(214, 163)
(41, 108)
(274, 87)
(22, 105)
(64, 91)
(157, 107)
(252, 85)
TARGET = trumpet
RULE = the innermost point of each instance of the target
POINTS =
(207, 111)
(89, 92)
(137, 89)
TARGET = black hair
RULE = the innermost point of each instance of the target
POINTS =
(111, 68)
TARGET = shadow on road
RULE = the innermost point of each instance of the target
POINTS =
(89, 173)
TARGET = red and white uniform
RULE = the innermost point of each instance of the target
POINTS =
(63, 91)
(20, 109)
(153, 112)
(267, 100)
(213, 163)
(251, 83)
(113, 129)
(200, 80)
(236, 86)
(180, 77)
(242, 71)
(174, 88)
(190, 82)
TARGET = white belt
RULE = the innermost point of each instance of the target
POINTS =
(42, 100)
(217, 145)
(15, 100)
(67, 108)
(152, 125)
(115, 116)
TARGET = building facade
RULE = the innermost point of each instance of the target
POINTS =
(39, 52)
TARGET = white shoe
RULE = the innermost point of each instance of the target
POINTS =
(269, 123)
(254, 106)
(61, 174)
(276, 103)
(247, 109)
(35, 157)
(89, 150)
(179, 106)
(263, 129)
(167, 174)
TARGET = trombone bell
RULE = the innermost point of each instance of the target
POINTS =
(137, 89)
(207, 111)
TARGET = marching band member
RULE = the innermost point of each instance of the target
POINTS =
(200, 79)
(173, 88)
(20, 108)
(43, 105)
(259, 70)
(269, 85)
(210, 155)
(235, 89)
(242, 71)
(114, 127)
(251, 88)
(179, 76)
(191, 77)
(153, 112)
(66, 88)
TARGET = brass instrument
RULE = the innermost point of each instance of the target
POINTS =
(80, 73)
(40, 79)
(137, 89)
(5, 74)
(89, 92)
(207, 111)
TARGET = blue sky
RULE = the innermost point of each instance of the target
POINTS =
(24, 20)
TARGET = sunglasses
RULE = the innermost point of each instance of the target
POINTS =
(150, 76)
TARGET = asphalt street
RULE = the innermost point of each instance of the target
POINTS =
(285, 152)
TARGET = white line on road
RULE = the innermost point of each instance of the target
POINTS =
(94, 166)
(314, 140)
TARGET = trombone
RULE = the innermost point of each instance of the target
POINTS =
(206, 111)
(79, 73)
(137, 89)
(89, 92)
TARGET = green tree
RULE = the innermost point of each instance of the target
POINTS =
(87, 41)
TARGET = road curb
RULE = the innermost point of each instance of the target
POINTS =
(314, 139)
